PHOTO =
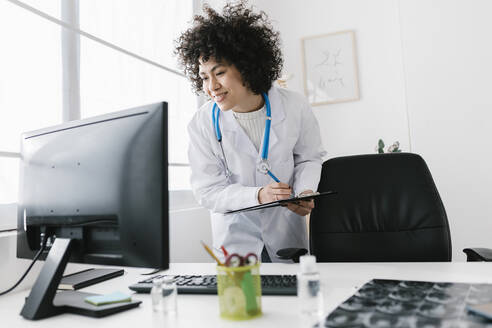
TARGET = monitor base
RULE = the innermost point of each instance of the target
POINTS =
(44, 301)
(73, 302)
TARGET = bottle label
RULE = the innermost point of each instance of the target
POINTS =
(313, 287)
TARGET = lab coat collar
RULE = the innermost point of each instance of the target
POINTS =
(276, 105)
(231, 129)
(278, 113)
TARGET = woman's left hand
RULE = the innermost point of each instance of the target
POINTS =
(303, 207)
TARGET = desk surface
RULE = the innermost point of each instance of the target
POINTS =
(340, 280)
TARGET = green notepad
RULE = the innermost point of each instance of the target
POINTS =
(115, 297)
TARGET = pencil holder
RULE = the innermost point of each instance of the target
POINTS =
(239, 290)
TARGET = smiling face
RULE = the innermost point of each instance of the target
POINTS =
(224, 84)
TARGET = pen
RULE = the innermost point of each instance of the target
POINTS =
(209, 251)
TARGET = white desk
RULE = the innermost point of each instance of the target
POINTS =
(340, 280)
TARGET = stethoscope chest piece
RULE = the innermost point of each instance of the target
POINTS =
(263, 166)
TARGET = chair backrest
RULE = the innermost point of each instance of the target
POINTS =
(387, 210)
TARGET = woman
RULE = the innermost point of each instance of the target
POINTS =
(252, 143)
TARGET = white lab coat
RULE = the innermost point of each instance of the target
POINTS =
(295, 155)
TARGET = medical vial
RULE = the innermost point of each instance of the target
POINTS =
(156, 294)
(309, 291)
(169, 295)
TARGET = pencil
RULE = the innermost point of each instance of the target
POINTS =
(209, 251)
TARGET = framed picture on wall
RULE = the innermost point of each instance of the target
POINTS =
(330, 68)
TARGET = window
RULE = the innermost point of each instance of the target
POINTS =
(30, 91)
(31, 85)
(30, 82)
(111, 80)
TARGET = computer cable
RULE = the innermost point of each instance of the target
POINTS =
(45, 237)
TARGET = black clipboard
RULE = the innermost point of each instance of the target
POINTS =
(283, 202)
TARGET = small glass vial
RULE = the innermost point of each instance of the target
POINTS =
(156, 294)
(164, 294)
(309, 291)
(169, 295)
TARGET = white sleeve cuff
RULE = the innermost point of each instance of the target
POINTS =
(257, 193)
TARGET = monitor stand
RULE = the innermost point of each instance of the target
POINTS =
(44, 301)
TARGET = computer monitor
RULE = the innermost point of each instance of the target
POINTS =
(98, 188)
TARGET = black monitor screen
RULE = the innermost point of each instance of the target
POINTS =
(101, 182)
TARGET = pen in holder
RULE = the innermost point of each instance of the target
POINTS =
(239, 290)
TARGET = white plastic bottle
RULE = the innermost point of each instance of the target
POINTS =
(309, 292)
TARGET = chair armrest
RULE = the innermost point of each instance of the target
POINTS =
(478, 254)
(291, 254)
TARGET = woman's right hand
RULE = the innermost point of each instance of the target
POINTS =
(273, 192)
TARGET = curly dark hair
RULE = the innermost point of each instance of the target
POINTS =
(238, 37)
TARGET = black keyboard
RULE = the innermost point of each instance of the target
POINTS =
(207, 284)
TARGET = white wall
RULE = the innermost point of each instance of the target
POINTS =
(430, 58)
(352, 127)
(188, 225)
(447, 57)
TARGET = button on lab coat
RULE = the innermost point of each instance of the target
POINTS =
(295, 155)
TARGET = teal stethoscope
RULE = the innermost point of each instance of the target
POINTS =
(263, 166)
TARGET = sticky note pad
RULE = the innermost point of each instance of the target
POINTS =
(115, 297)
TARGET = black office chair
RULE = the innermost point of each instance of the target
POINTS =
(387, 210)
(478, 254)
